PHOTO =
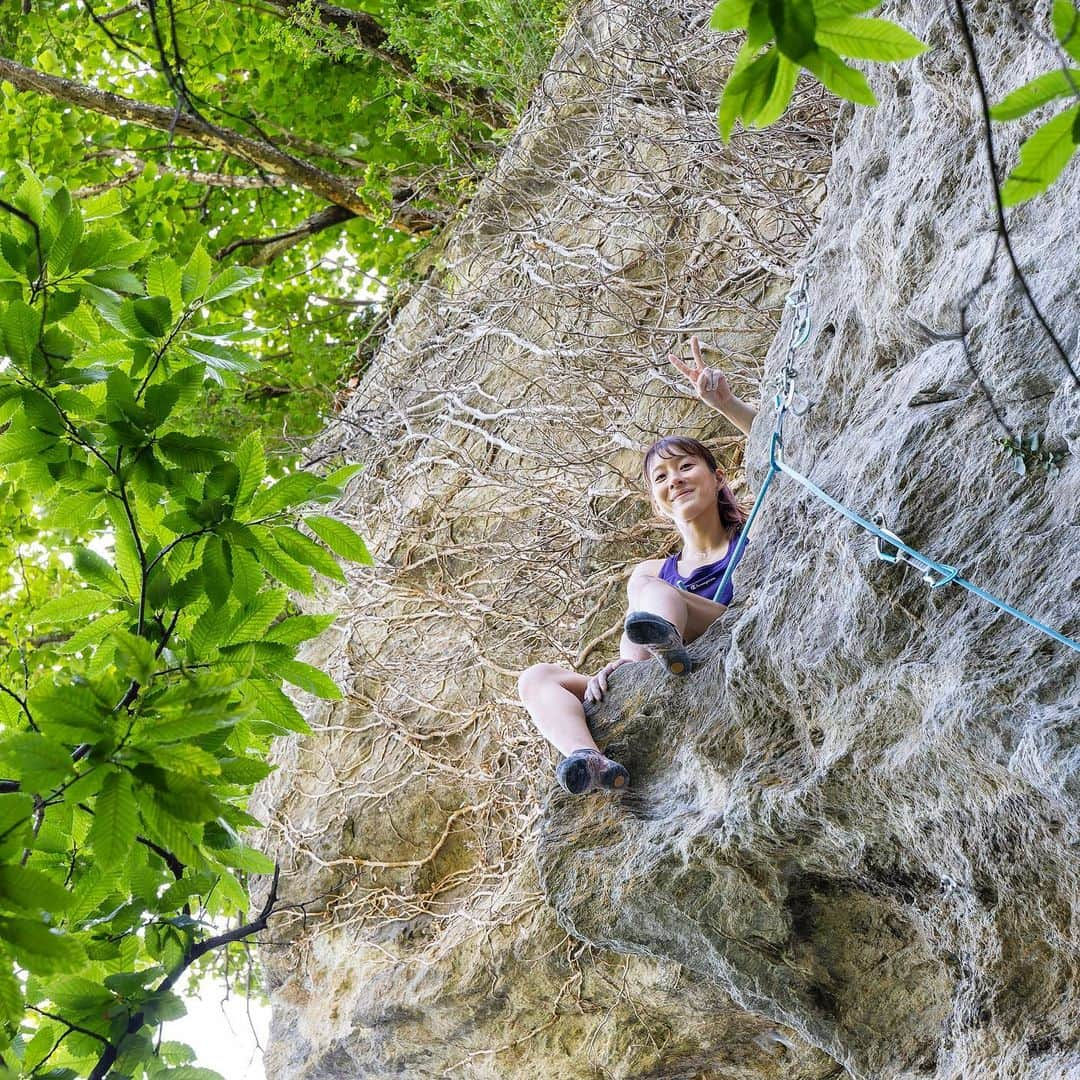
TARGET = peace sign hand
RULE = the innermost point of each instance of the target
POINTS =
(709, 383)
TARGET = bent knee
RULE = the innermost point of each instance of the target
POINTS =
(539, 675)
(642, 583)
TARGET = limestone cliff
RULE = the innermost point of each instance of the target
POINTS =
(849, 844)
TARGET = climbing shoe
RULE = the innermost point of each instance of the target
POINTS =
(661, 638)
(588, 770)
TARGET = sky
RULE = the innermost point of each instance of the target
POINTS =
(220, 1034)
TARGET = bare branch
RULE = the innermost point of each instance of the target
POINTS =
(270, 247)
(194, 176)
(999, 206)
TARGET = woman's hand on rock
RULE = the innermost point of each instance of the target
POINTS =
(709, 383)
(597, 685)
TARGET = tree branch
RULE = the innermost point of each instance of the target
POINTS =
(366, 33)
(302, 173)
(108, 1057)
(272, 246)
(70, 1026)
(999, 206)
(194, 176)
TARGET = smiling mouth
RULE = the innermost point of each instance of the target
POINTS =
(675, 498)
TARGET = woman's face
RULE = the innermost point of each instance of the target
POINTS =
(683, 486)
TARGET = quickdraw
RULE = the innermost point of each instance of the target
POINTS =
(890, 547)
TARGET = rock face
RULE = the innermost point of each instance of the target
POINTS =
(849, 847)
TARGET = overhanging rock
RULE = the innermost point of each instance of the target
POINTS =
(850, 840)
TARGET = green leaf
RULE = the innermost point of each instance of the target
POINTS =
(209, 631)
(219, 358)
(839, 77)
(93, 632)
(11, 996)
(31, 890)
(275, 707)
(245, 771)
(1066, 20)
(135, 658)
(280, 566)
(184, 727)
(255, 619)
(115, 819)
(72, 606)
(200, 453)
(339, 537)
(831, 9)
(21, 328)
(22, 445)
(783, 88)
(97, 570)
(761, 91)
(154, 314)
(185, 759)
(304, 550)
(339, 477)
(251, 460)
(40, 949)
(164, 278)
(30, 197)
(794, 24)
(70, 712)
(745, 74)
(222, 481)
(869, 39)
(65, 241)
(1038, 92)
(38, 761)
(117, 281)
(247, 575)
(234, 279)
(299, 628)
(245, 858)
(731, 15)
(217, 578)
(73, 993)
(1043, 157)
(291, 490)
(16, 815)
(196, 277)
(176, 837)
(125, 553)
(308, 678)
(189, 1072)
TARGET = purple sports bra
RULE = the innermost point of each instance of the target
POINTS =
(703, 581)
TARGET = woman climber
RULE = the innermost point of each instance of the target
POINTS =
(670, 600)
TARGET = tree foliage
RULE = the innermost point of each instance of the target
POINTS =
(1045, 153)
(325, 143)
(141, 687)
(784, 37)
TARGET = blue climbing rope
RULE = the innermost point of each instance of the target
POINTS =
(889, 546)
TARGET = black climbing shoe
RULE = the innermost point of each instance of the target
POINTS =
(587, 770)
(661, 638)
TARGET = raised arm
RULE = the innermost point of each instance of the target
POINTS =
(712, 387)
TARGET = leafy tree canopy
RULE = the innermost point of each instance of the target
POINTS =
(202, 206)
(324, 142)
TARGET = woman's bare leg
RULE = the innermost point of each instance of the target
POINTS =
(553, 697)
(691, 614)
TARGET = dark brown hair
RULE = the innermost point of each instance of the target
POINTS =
(732, 515)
